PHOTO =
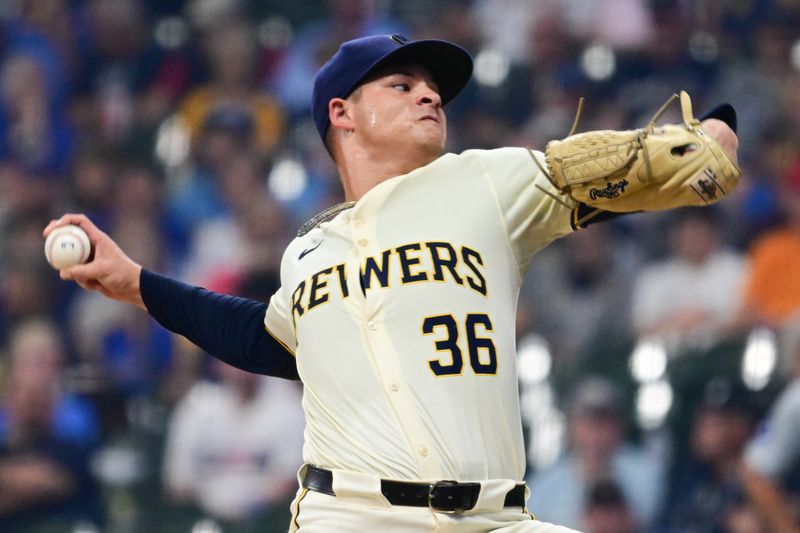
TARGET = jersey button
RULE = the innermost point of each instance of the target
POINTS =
(372, 325)
(423, 451)
(363, 242)
(395, 387)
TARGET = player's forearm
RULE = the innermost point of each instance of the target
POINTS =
(227, 327)
(769, 501)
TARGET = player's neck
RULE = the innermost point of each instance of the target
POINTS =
(362, 171)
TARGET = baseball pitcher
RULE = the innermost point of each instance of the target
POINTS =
(397, 308)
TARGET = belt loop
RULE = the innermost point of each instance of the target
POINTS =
(357, 487)
(497, 494)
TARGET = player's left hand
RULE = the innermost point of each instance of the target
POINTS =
(724, 135)
(648, 169)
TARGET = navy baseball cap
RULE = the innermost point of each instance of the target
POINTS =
(449, 64)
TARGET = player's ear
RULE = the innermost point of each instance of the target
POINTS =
(340, 114)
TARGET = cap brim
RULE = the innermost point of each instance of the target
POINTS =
(449, 64)
(724, 112)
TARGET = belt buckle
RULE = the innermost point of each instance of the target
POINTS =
(432, 487)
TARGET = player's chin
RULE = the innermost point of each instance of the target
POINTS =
(432, 148)
(432, 137)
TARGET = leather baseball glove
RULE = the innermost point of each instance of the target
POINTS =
(648, 169)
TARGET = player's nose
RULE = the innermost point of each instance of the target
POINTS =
(428, 96)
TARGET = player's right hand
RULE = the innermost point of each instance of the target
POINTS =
(109, 271)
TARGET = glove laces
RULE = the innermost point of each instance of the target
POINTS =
(688, 119)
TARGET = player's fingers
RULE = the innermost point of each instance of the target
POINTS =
(89, 285)
(85, 272)
(68, 275)
(50, 227)
(84, 278)
(723, 134)
(79, 220)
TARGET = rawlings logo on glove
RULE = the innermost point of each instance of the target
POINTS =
(648, 169)
(612, 190)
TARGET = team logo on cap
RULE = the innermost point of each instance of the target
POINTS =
(399, 39)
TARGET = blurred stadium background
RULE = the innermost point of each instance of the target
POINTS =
(650, 347)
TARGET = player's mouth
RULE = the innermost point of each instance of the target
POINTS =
(431, 117)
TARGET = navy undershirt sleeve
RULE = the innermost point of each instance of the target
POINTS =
(228, 327)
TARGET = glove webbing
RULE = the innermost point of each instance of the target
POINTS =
(688, 119)
(652, 125)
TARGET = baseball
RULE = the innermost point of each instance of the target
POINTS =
(67, 246)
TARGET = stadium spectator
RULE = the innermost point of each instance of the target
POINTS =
(597, 451)
(28, 288)
(246, 467)
(770, 462)
(126, 83)
(582, 286)
(690, 297)
(755, 78)
(219, 245)
(232, 89)
(706, 487)
(772, 287)
(33, 131)
(314, 43)
(198, 196)
(47, 436)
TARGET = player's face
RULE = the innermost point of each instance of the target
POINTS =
(399, 108)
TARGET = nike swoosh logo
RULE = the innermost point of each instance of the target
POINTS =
(308, 251)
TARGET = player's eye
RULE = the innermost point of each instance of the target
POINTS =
(401, 86)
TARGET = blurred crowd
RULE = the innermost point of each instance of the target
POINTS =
(658, 352)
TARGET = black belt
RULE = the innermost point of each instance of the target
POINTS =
(446, 496)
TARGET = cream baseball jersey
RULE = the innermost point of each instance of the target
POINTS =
(401, 314)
